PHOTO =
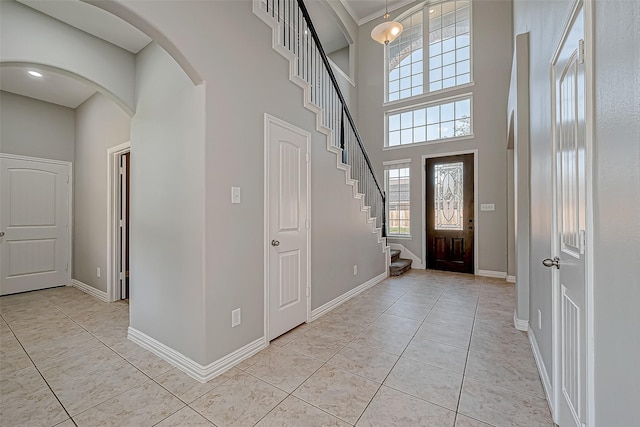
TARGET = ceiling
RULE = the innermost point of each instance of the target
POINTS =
(59, 88)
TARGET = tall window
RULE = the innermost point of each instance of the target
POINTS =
(445, 62)
(397, 186)
(431, 122)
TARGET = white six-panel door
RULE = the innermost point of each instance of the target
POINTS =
(34, 223)
(288, 226)
(570, 183)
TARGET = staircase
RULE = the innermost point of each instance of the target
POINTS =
(398, 266)
(295, 38)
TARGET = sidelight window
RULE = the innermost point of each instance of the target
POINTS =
(397, 187)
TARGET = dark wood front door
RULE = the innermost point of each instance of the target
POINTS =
(449, 213)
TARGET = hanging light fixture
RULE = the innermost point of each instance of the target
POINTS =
(387, 31)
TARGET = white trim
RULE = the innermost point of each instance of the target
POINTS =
(336, 68)
(439, 101)
(69, 166)
(511, 279)
(396, 162)
(520, 324)
(268, 121)
(476, 205)
(113, 203)
(96, 293)
(435, 94)
(417, 262)
(437, 141)
(202, 373)
(491, 273)
(542, 371)
(324, 309)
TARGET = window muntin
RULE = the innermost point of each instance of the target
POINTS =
(449, 44)
(430, 123)
(397, 187)
(414, 68)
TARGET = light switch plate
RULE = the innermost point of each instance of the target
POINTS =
(487, 207)
(235, 194)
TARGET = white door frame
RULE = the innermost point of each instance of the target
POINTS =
(268, 121)
(69, 166)
(113, 205)
(476, 219)
(555, 242)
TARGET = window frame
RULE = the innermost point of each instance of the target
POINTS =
(425, 105)
(422, 7)
(397, 164)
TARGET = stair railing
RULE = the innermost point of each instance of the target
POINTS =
(299, 36)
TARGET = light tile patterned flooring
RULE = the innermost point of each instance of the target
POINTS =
(424, 349)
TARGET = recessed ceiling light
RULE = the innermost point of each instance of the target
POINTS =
(34, 73)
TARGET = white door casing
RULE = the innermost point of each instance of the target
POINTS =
(114, 209)
(287, 236)
(35, 217)
(570, 228)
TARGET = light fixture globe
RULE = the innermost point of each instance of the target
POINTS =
(386, 32)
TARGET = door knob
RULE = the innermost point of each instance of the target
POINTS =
(1, 233)
(275, 243)
(548, 262)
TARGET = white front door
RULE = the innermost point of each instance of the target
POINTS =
(34, 224)
(570, 184)
(288, 230)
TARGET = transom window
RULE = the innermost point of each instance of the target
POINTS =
(397, 186)
(414, 69)
(430, 123)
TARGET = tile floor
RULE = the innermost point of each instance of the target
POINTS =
(424, 349)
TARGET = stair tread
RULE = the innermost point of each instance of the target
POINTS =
(395, 252)
(401, 262)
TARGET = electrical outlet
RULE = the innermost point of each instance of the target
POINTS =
(236, 317)
(98, 271)
(355, 270)
(539, 319)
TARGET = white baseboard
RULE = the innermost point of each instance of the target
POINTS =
(202, 373)
(96, 293)
(542, 370)
(490, 273)
(511, 279)
(323, 309)
(520, 324)
(406, 253)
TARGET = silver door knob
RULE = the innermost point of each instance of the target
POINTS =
(1, 233)
(548, 262)
(275, 243)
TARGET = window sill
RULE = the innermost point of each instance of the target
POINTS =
(427, 97)
(421, 144)
(399, 237)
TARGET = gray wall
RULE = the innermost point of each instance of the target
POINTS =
(167, 205)
(254, 81)
(492, 48)
(28, 36)
(616, 190)
(616, 185)
(33, 128)
(544, 21)
(100, 124)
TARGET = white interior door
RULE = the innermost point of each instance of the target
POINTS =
(570, 182)
(34, 221)
(288, 236)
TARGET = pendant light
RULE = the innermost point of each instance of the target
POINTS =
(387, 31)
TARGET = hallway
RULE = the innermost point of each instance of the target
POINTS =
(423, 349)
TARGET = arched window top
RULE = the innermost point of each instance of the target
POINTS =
(413, 68)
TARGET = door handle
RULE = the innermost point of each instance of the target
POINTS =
(548, 262)
(275, 243)
(1, 233)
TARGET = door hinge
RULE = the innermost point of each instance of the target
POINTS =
(121, 275)
(121, 223)
(67, 268)
(308, 157)
(121, 170)
(581, 52)
(307, 224)
(582, 241)
(67, 179)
